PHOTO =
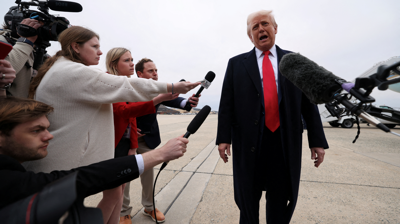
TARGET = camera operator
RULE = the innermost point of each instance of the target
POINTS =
(7, 76)
(21, 57)
(24, 137)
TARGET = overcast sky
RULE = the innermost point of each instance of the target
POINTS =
(186, 39)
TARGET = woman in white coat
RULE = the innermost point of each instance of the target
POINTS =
(82, 97)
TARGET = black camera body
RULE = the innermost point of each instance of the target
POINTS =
(52, 25)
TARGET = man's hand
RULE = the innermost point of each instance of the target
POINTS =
(194, 100)
(132, 152)
(140, 134)
(317, 154)
(34, 24)
(164, 97)
(222, 147)
(183, 87)
(174, 148)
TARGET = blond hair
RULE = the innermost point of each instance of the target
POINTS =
(112, 59)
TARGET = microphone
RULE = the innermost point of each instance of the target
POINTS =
(320, 85)
(197, 121)
(64, 6)
(317, 83)
(194, 125)
(206, 82)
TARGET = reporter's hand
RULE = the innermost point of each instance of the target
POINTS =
(184, 87)
(132, 152)
(34, 24)
(194, 100)
(7, 73)
(164, 97)
(174, 148)
(139, 133)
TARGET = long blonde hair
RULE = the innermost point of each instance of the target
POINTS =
(113, 57)
(74, 34)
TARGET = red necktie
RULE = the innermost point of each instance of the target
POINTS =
(270, 95)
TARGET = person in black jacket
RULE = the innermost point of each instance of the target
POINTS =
(260, 115)
(24, 137)
(148, 125)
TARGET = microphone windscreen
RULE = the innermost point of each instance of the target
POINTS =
(317, 83)
(199, 119)
(210, 76)
(64, 6)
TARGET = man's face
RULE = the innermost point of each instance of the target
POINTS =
(27, 141)
(149, 71)
(262, 32)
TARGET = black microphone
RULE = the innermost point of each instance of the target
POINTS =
(194, 125)
(64, 6)
(320, 85)
(206, 82)
(197, 121)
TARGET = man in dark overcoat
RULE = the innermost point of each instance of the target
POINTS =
(260, 114)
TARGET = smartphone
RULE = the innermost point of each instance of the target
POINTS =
(5, 49)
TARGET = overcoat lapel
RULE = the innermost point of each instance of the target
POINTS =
(250, 63)
(281, 78)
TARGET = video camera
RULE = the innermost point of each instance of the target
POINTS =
(52, 25)
(58, 202)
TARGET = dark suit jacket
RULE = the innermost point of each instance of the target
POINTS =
(149, 125)
(17, 183)
(241, 122)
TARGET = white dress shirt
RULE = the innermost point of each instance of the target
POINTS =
(140, 163)
(273, 57)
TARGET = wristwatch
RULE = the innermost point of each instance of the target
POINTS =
(24, 40)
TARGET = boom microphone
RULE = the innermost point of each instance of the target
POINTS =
(317, 83)
(320, 85)
(64, 6)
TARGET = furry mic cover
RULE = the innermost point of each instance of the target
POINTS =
(317, 83)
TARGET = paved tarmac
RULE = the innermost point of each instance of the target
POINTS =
(357, 183)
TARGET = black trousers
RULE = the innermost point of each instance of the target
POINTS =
(272, 176)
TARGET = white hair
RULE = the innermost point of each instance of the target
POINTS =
(260, 13)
